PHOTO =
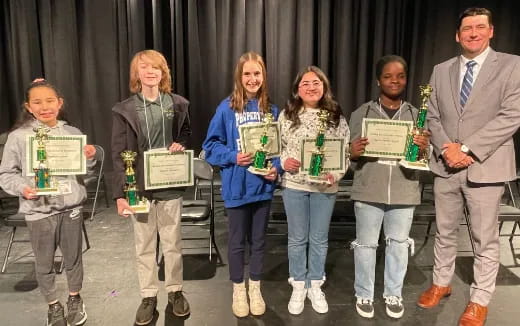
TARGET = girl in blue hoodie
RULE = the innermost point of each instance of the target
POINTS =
(247, 197)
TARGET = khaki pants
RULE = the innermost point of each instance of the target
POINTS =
(483, 202)
(165, 218)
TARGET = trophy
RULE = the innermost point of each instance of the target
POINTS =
(44, 183)
(415, 158)
(261, 164)
(315, 174)
(138, 204)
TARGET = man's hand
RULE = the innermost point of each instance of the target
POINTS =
(244, 159)
(291, 165)
(454, 157)
(357, 147)
(123, 208)
(271, 176)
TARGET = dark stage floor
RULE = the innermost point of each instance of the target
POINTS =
(111, 292)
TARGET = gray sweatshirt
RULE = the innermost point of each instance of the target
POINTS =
(381, 183)
(14, 179)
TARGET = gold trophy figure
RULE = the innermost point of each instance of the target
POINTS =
(261, 164)
(138, 204)
(44, 182)
(415, 158)
(315, 174)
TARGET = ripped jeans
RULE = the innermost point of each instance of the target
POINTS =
(396, 220)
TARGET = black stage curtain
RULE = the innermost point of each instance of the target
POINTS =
(85, 46)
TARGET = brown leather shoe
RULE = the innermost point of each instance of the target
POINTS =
(431, 297)
(474, 315)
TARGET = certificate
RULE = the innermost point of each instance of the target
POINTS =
(333, 150)
(65, 154)
(251, 133)
(163, 169)
(387, 138)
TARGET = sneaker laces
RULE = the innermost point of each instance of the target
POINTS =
(73, 303)
(393, 300)
(148, 301)
(317, 293)
(362, 301)
(56, 311)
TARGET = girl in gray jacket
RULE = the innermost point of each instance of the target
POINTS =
(384, 193)
(52, 220)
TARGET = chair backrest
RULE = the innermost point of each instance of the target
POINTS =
(202, 169)
(3, 140)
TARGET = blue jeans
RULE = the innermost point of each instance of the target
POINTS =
(396, 220)
(308, 220)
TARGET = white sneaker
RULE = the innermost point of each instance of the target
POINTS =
(240, 306)
(317, 297)
(299, 292)
(394, 306)
(365, 308)
(256, 302)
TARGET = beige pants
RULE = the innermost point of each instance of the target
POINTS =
(165, 218)
(482, 201)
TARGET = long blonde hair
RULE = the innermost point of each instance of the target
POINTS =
(158, 61)
(239, 96)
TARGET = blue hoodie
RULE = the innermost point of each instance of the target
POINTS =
(239, 186)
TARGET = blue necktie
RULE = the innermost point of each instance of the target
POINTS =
(467, 82)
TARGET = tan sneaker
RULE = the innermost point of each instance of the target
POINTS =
(256, 302)
(240, 306)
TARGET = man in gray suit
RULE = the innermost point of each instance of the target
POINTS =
(474, 112)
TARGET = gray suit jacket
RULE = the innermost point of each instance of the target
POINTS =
(490, 117)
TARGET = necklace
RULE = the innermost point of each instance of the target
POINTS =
(400, 109)
(391, 106)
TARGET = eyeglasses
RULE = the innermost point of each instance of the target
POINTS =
(308, 84)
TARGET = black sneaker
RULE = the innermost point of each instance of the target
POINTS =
(56, 315)
(146, 311)
(394, 306)
(76, 314)
(181, 307)
(365, 308)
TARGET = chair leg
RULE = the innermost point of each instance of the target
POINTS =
(8, 250)
(85, 235)
(210, 246)
(94, 204)
(428, 230)
(212, 236)
(514, 230)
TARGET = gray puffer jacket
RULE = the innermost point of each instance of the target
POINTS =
(380, 183)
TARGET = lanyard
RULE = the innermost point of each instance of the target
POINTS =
(146, 120)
